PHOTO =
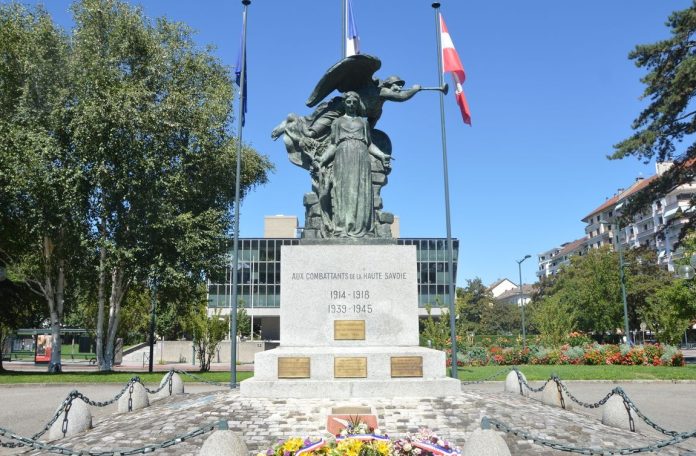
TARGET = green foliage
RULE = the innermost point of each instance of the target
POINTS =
(207, 333)
(243, 322)
(669, 311)
(669, 118)
(554, 319)
(437, 331)
(118, 140)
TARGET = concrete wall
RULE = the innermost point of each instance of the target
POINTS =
(181, 351)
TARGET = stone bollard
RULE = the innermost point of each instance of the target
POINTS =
(171, 379)
(552, 396)
(512, 383)
(134, 398)
(485, 442)
(79, 419)
(614, 413)
(224, 442)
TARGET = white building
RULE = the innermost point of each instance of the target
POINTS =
(552, 260)
(648, 229)
(507, 291)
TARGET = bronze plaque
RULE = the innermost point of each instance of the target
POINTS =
(346, 367)
(293, 367)
(349, 329)
(407, 366)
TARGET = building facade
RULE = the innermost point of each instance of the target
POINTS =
(258, 288)
(658, 227)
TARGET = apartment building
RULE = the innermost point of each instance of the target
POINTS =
(552, 260)
(657, 227)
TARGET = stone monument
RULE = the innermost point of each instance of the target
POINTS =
(349, 294)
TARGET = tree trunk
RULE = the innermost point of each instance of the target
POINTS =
(54, 297)
(3, 336)
(119, 286)
(100, 304)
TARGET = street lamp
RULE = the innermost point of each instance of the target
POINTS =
(622, 273)
(524, 330)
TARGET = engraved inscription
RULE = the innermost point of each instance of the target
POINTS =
(349, 329)
(407, 366)
(293, 367)
(350, 367)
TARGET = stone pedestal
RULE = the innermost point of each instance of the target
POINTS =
(349, 328)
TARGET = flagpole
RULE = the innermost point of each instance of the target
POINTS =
(235, 259)
(344, 29)
(450, 262)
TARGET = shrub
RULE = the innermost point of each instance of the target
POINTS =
(578, 339)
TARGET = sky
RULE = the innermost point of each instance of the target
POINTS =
(549, 84)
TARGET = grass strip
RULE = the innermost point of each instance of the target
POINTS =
(15, 377)
(569, 372)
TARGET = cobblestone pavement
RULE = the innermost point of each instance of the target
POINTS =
(263, 421)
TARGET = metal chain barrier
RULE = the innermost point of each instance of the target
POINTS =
(678, 438)
(560, 390)
(640, 414)
(597, 404)
(631, 422)
(168, 379)
(130, 396)
(628, 403)
(522, 381)
(29, 442)
(489, 378)
(200, 379)
(65, 407)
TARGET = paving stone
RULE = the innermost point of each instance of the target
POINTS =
(262, 422)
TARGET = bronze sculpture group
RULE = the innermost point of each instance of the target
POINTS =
(347, 157)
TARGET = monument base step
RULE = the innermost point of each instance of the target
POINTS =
(345, 372)
(350, 388)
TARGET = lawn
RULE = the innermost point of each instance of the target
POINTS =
(569, 372)
(466, 374)
(9, 377)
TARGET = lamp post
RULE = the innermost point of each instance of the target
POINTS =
(622, 277)
(524, 330)
(153, 310)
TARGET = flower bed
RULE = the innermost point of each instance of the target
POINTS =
(358, 439)
(587, 354)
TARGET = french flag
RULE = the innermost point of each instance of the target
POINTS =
(352, 39)
(452, 64)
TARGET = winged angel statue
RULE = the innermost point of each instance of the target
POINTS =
(347, 157)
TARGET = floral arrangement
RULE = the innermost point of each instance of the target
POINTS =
(358, 439)
(585, 354)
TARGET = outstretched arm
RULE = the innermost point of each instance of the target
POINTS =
(375, 152)
(399, 95)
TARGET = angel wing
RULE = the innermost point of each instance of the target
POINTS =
(351, 73)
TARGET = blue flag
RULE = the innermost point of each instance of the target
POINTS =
(238, 79)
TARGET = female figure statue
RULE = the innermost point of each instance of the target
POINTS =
(348, 184)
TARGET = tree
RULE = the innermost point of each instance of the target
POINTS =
(669, 311)
(472, 301)
(42, 181)
(590, 287)
(554, 318)
(116, 150)
(669, 117)
(207, 334)
(498, 317)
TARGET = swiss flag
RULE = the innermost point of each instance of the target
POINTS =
(452, 64)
